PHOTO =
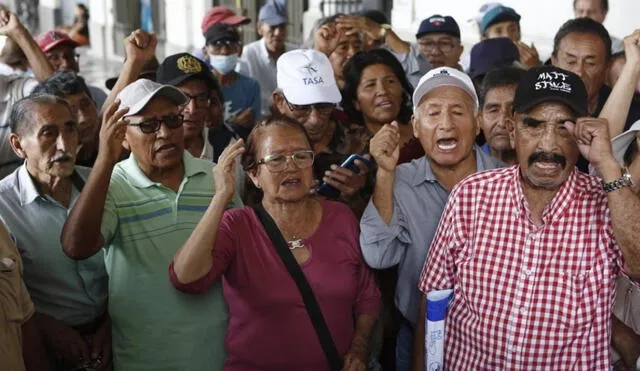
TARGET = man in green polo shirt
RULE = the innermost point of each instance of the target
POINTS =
(143, 209)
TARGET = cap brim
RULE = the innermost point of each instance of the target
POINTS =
(182, 78)
(56, 43)
(169, 92)
(581, 111)
(322, 94)
(236, 20)
(433, 83)
(621, 142)
(274, 21)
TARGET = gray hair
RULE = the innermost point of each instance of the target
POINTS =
(21, 117)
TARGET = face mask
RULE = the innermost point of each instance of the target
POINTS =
(224, 63)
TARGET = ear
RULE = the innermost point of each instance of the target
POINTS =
(125, 143)
(478, 122)
(259, 29)
(554, 60)
(14, 140)
(253, 175)
(356, 105)
(511, 127)
(415, 124)
(278, 101)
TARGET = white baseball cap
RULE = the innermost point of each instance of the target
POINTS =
(621, 142)
(306, 77)
(443, 76)
(137, 95)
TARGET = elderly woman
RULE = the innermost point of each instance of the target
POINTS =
(377, 92)
(269, 327)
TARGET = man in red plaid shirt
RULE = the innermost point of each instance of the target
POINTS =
(532, 251)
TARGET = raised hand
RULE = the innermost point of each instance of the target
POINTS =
(360, 24)
(140, 45)
(385, 147)
(327, 37)
(592, 136)
(528, 55)
(345, 180)
(9, 23)
(632, 48)
(112, 133)
(224, 172)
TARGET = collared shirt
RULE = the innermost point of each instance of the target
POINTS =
(525, 296)
(71, 291)
(16, 307)
(418, 201)
(156, 327)
(258, 64)
(12, 89)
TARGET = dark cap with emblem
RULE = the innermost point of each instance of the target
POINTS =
(177, 68)
(550, 84)
(221, 31)
(439, 24)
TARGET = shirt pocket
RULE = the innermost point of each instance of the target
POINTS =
(573, 299)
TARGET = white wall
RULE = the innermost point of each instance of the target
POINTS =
(540, 18)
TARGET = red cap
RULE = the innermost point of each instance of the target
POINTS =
(221, 14)
(53, 38)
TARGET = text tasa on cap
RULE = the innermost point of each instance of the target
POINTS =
(310, 74)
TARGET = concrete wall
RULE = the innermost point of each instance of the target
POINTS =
(540, 18)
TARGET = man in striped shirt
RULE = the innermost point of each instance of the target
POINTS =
(532, 251)
(142, 210)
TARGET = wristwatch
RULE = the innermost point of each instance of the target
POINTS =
(623, 181)
(383, 30)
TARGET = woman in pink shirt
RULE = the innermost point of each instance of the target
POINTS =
(269, 327)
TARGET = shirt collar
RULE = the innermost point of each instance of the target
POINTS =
(28, 191)
(559, 202)
(425, 174)
(140, 179)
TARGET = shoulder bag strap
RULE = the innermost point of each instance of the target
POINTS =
(310, 302)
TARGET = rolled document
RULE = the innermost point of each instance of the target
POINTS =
(437, 305)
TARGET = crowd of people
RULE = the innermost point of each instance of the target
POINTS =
(208, 213)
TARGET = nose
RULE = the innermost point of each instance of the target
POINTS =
(548, 140)
(505, 118)
(66, 142)
(278, 31)
(164, 131)
(190, 107)
(446, 123)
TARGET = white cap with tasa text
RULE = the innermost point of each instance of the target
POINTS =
(306, 77)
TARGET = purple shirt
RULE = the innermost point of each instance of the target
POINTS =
(269, 328)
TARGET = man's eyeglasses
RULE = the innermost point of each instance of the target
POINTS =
(202, 100)
(304, 110)
(276, 162)
(153, 125)
(445, 46)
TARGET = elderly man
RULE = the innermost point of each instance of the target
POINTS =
(70, 297)
(583, 46)
(60, 49)
(142, 210)
(72, 88)
(308, 92)
(532, 251)
(205, 133)
(259, 57)
(20, 345)
(402, 216)
(496, 112)
(596, 10)
(438, 39)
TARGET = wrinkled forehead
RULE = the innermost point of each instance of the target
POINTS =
(549, 111)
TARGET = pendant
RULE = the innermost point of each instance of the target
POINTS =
(295, 244)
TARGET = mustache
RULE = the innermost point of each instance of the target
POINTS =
(61, 156)
(547, 157)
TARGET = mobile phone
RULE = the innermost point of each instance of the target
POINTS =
(330, 191)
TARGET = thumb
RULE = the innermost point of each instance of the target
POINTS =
(394, 124)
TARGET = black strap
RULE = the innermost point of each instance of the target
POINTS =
(310, 302)
(77, 180)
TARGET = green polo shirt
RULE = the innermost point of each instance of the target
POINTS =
(156, 327)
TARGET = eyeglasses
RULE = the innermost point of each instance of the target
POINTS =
(276, 162)
(202, 100)
(220, 44)
(153, 125)
(304, 110)
(445, 46)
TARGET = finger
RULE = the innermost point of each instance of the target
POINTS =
(117, 118)
(342, 170)
(343, 188)
(362, 166)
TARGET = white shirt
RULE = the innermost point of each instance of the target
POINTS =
(256, 63)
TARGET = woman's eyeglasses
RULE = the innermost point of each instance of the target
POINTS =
(153, 125)
(276, 162)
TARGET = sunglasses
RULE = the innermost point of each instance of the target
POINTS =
(153, 125)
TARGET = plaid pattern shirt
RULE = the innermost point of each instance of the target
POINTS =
(526, 297)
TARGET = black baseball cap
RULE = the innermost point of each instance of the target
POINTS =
(438, 23)
(177, 68)
(491, 54)
(221, 31)
(548, 84)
